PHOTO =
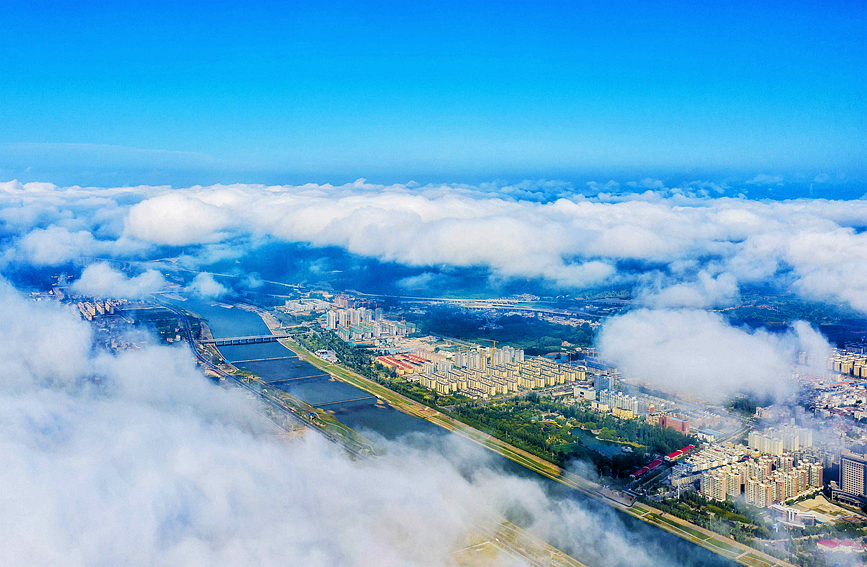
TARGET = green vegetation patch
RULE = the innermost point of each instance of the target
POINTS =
(694, 533)
(535, 336)
(724, 546)
(754, 560)
(530, 424)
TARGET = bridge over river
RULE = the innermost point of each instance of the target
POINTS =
(256, 339)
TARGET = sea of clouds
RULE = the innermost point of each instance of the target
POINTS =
(135, 458)
(683, 250)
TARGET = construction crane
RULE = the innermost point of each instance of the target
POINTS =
(491, 341)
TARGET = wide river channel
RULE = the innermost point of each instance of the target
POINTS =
(358, 410)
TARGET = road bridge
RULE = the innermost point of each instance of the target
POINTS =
(252, 340)
(345, 401)
(272, 382)
(237, 362)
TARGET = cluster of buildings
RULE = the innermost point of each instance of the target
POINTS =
(98, 308)
(792, 517)
(304, 305)
(838, 545)
(403, 363)
(362, 324)
(763, 480)
(481, 359)
(620, 404)
(490, 372)
(843, 398)
(677, 422)
(656, 411)
(790, 438)
(723, 470)
(567, 320)
(709, 457)
(848, 362)
(657, 462)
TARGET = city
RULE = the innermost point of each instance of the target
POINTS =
(433, 284)
(778, 469)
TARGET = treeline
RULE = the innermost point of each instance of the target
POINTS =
(529, 437)
(515, 422)
(726, 518)
(534, 335)
(358, 359)
(747, 405)
(840, 530)
(161, 322)
(657, 440)
(547, 441)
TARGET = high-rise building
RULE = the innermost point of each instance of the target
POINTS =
(853, 468)
(603, 382)
(714, 484)
(815, 475)
(331, 320)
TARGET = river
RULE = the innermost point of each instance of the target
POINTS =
(274, 363)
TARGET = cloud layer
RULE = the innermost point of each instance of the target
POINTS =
(700, 249)
(101, 280)
(136, 458)
(698, 352)
(205, 286)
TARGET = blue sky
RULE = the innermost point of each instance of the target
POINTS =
(153, 92)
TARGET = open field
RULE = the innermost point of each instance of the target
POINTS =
(826, 511)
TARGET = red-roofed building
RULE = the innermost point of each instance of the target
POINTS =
(402, 363)
(679, 453)
(841, 545)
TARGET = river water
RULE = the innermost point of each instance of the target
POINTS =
(358, 410)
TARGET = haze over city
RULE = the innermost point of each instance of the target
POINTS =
(433, 284)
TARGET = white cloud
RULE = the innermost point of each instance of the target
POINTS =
(253, 281)
(700, 353)
(513, 231)
(830, 265)
(57, 245)
(100, 280)
(42, 345)
(174, 218)
(706, 291)
(137, 459)
(204, 285)
(421, 281)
